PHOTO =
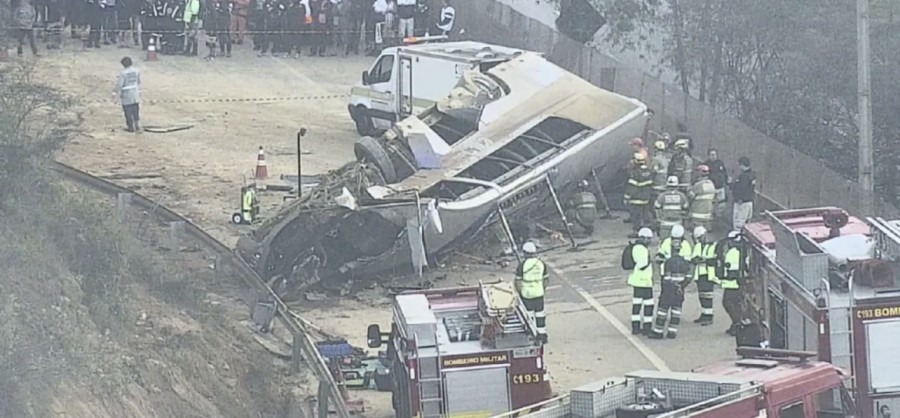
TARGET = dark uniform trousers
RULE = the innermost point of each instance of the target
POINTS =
(671, 300)
(535, 308)
(732, 301)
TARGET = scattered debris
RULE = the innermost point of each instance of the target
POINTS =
(167, 129)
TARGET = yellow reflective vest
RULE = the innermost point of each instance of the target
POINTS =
(638, 277)
(732, 269)
(665, 252)
(532, 278)
(704, 258)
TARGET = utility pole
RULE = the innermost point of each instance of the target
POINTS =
(865, 107)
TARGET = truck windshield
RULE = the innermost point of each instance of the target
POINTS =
(833, 403)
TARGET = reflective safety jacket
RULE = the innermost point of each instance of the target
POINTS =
(532, 273)
(640, 181)
(733, 265)
(660, 167)
(642, 275)
(665, 252)
(677, 269)
(704, 259)
(702, 195)
(671, 207)
(682, 166)
(585, 206)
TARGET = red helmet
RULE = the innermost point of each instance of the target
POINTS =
(637, 141)
(703, 169)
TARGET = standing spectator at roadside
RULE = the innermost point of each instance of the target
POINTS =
(128, 92)
(719, 177)
(110, 21)
(192, 25)
(238, 28)
(222, 15)
(269, 24)
(323, 21)
(352, 21)
(54, 14)
(297, 26)
(23, 20)
(129, 12)
(337, 16)
(743, 190)
(94, 17)
(446, 19)
(406, 13)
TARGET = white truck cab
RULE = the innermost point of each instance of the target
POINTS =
(404, 80)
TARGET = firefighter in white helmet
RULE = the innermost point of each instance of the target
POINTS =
(675, 276)
(636, 259)
(682, 165)
(660, 166)
(638, 192)
(671, 207)
(704, 259)
(531, 280)
(703, 198)
(669, 244)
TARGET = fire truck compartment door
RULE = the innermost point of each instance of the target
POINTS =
(477, 393)
(884, 363)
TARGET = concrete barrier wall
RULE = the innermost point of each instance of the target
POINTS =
(787, 178)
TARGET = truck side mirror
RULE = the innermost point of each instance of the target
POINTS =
(365, 77)
(373, 336)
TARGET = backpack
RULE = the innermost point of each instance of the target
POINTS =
(627, 258)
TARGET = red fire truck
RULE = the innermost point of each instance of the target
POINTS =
(825, 281)
(462, 352)
(763, 383)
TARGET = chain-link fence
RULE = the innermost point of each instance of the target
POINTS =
(786, 177)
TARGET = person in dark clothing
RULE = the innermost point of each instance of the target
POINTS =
(269, 25)
(153, 13)
(129, 12)
(350, 24)
(296, 24)
(257, 23)
(94, 15)
(743, 190)
(110, 21)
(54, 15)
(719, 176)
(222, 20)
(23, 21)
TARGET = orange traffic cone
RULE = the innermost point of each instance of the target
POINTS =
(151, 49)
(261, 171)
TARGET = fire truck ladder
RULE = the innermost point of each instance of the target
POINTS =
(840, 322)
(431, 388)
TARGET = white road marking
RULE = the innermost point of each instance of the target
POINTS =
(645, 351)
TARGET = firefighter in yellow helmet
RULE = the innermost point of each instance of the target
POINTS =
(638, 193)
(660, 166)
(682, 165)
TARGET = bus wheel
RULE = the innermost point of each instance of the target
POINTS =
(368, 149)
(364, 124)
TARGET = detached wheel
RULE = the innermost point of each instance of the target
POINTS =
(369, 150)
(364, 124)
(237, 218)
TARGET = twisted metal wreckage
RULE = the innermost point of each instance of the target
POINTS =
(492, 150)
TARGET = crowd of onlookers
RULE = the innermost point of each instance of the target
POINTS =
(279, 27)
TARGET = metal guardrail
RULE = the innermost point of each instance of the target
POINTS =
(551, 408)
(303, 345)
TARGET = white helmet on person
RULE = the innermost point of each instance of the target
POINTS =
(529, 248)
(699, 231)
(672, 181)
(678, 232)
(734, 235)
(645, 233)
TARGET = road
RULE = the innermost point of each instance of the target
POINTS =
(589, 308)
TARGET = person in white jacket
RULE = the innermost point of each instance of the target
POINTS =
(448, 16)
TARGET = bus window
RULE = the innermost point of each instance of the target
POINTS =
(792, 411)
(831, 404)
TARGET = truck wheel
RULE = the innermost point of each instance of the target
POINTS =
(364, 125)
(237, 218)
(367, 149)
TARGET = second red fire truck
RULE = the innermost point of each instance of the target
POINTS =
(825, 281)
